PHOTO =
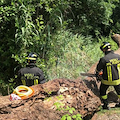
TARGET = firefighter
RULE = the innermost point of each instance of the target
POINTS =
(110, 66)
(31, 74)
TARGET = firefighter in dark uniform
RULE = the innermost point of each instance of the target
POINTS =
(110, 66)
(31, 74)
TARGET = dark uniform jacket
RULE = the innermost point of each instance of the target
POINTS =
(110, 64)
(30, 75)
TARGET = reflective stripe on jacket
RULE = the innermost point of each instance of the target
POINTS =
(110, 64)
(30, 75)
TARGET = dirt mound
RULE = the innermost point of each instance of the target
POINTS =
(72, 93)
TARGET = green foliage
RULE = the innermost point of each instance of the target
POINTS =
(92, 16)
(77, 117)
(70, 116)
(3, 87)
(71, 58)
(11, 85)
(48, 98)
(60, 97)
(59, 105)
(71, 110)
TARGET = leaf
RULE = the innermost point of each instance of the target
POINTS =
(67, 108)
(69, 118)
(74, 116)
(63, 117)
(41, 22)
(78, 118)
(23, 30)
(78, 115)
(71, 111)
(60, 20)
(111, 20)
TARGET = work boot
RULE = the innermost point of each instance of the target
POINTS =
(105, 106)
(117, 105)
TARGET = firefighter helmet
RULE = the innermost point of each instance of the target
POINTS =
(32, 56)
(105, 46)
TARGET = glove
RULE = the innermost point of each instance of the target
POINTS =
(99, 76)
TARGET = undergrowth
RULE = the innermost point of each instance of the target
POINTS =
(79, 54)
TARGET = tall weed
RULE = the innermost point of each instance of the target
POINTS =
(70, 58)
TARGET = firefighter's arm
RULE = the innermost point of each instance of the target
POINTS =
(41, 77)
(99, 75)
(99, 71)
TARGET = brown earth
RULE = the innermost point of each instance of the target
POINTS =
(72, 93)
(83, 95)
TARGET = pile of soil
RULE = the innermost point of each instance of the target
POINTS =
(42, 105)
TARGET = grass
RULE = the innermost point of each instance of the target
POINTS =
(112, 111)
